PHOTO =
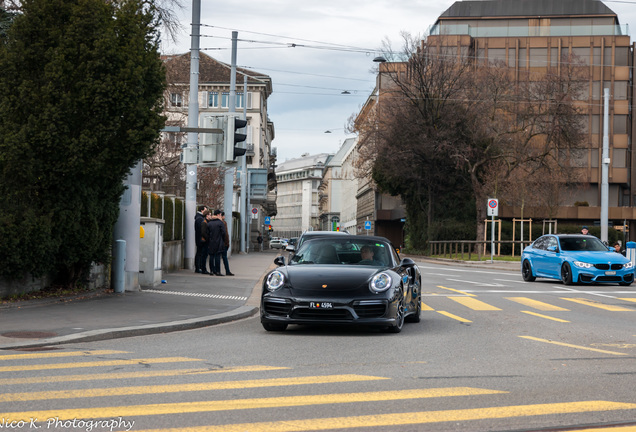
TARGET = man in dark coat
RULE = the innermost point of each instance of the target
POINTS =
(198, 259)
(205, 238)
(216, 232)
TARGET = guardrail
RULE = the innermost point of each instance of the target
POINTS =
(459, 249)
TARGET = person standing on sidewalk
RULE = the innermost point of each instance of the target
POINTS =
(226, 246)
(199, 262)
(259, 239)
(205, 238)
(216, 231)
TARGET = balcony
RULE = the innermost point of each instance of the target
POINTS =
(485, 31)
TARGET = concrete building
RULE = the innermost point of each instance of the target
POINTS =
(298, 182)
(336, 190)
(530, 36)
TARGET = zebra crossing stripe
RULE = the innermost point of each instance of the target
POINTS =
(206, 295)
(412, 418)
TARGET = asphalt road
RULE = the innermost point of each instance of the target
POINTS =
(492, 353)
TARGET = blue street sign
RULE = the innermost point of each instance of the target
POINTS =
(367, 225)
(268, 220)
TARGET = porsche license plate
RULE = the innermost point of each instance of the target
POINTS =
(610, 273)
(320, 305)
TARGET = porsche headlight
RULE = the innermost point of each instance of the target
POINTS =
(380, 283)
(275, 280)
(628, 266)
(582, 264)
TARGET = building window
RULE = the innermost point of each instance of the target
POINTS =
(621, 56)
(496, 55)
(512, 57)
(225, 100)
(619, 158)
(620, 90)
(582, 55)
(538, 57)
(213, 99)
(176, 99)
(522, 58)
(620, 124)
(554, 57)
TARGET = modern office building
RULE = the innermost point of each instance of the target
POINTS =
(530, 36)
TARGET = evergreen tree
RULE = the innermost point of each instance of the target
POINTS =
(81, 92)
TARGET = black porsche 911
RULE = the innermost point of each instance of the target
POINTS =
(342, 280)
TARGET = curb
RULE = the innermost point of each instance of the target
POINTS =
(106, 334)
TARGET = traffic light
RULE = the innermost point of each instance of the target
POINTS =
(210, 145)
(231, 138)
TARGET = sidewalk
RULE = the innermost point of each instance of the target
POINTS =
(187, 300)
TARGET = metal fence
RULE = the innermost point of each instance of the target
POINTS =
(466, 249)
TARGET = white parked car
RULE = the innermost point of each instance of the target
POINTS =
(278, 243)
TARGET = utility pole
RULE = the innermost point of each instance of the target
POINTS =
(605, 168)
(245, 220)
(193, 137)
(229, 171)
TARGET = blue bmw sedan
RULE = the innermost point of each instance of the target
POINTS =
(575, 258)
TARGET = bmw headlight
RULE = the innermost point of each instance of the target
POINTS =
(275, 280)
(583, 264)
(380, 283)
(628, 266)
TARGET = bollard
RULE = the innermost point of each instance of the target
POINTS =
(630, 252)
(119, 266)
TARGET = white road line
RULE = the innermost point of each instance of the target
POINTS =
(214, 296)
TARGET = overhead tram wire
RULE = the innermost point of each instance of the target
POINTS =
(323, 45)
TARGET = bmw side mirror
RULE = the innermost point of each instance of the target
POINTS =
(279, 261)
(553, 249)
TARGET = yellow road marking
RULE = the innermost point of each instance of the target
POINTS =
(628, 299)
(59, 354)
(128, 375)
(457, 291)
(96, 364)
(455, 317)
(178, 388)
(591, 303)
(535, 304)
(571, 346)
(241, 404)
(545, 316)
(474, 304)
(607, 429)
(426, 307)
(413, 418)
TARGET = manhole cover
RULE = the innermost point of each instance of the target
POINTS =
(29, 334)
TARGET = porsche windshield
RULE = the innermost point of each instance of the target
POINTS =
(343, 251)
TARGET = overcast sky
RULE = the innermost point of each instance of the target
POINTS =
(336, 42)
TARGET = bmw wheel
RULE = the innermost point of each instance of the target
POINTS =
(566, 274)
(526, 272)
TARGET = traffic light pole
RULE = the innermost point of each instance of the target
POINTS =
(229, 172)
(192, 143)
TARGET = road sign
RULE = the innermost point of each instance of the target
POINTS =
(367, 225)
(268, 220)
(255, 211)
(493, 207)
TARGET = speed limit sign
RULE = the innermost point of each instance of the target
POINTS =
(493, 207)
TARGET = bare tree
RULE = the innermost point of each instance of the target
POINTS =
(445, 114)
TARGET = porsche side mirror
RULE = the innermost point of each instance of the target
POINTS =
(407, 262)
(279, 261)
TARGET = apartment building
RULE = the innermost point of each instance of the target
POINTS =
(213, 98)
